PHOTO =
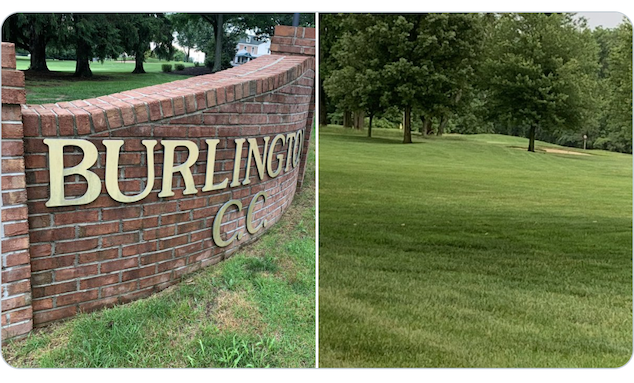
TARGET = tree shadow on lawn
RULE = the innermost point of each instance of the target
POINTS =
(61, 76)
(377, 140)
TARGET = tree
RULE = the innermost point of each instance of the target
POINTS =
(342, 87)
(359, 53)
(419, 62)
(138, 30)
(94, 35)
(191, 33)
(605, 40)
(541, 72)
(620, 83)
(456, 49)
(233, 25)
(206, 31)
(372, 89)
(432, 63)
(219, 28)
(33, 32)
(354, 79)
(407, 72)
(330, 26)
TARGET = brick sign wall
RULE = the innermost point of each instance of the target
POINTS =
(131, 191)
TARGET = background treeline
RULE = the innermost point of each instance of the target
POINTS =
(543, 76)
(89, 36)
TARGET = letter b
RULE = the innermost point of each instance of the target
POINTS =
(58, 172)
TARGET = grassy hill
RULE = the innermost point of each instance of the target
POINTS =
(469, 251)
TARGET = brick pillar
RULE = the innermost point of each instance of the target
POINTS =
(298, 41)
(15, 304)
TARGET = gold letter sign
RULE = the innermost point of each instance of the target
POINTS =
(264, 160)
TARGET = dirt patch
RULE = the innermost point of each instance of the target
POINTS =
(553, 150)
(235, 313)
(57, 337)
(559, 151)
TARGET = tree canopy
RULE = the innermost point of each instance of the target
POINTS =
(33, 32)
(138, 30)
(619, 110)
(545, 76)
(541, 72)
(415, 62)
(92, 36)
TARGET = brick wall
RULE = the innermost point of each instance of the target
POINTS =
(297, 41)
(16, 270)
(293, 41)
(106, 252)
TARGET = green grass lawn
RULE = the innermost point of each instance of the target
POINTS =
(109, 77)
(256, 309)
(469, 251)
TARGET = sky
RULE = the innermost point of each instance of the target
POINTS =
(603, 19)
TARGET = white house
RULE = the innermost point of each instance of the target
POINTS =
(249, 48)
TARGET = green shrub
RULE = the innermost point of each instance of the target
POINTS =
(196, 64)
(179, 66)
(336, 118)
(178, 56)
(166, 67)
(381, 123)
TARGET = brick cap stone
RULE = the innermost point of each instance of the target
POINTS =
(8, 56)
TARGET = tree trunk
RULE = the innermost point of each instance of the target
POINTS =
(531, 139)
(82, 66)
(407, 125)
(38, 52)
(323, 114)
(188, 52)
(219, 33)
(358, 119)
(421, 130)
(443, 123)
(347, 119)
(370, 126)
(139, 57)
(427, 126)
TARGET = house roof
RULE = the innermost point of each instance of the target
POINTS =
(244, 53)
(253, 40)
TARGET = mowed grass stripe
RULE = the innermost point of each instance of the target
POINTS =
(465, 251)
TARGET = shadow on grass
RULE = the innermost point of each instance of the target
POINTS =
(446, 137)
(62, 76)
(377, 140)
